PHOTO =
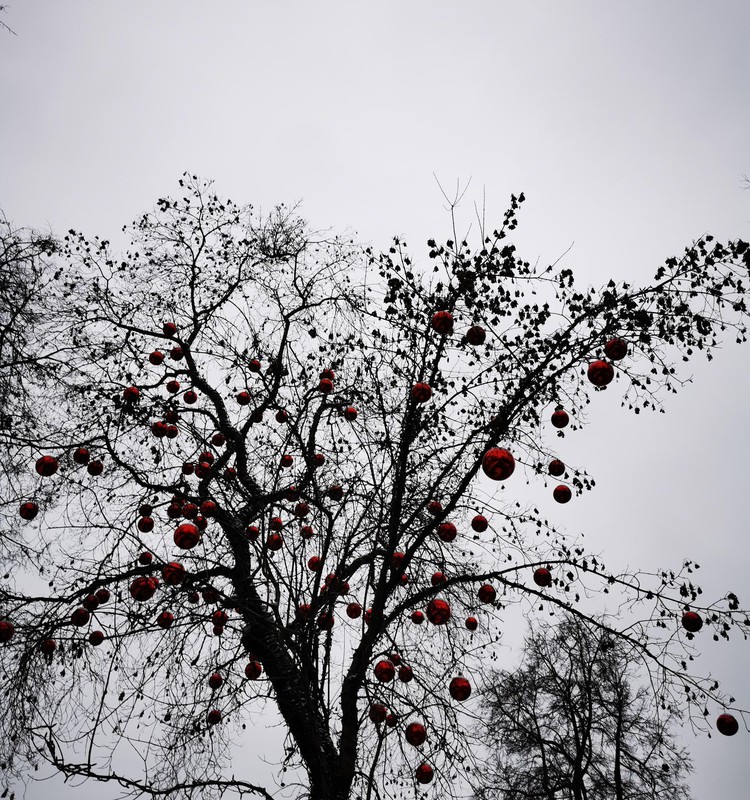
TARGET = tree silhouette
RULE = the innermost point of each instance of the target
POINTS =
(271, 472)
(569, 724)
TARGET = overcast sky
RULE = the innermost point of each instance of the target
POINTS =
(626, 125)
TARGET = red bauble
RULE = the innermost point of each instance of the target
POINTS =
(156, 358)
(220, 617)
(90, 602)
(96, 638)
(479, 523)
(230, 473)
(173, 387)
(397, 559)
(210, 595)
(47, 646)
(172, 431)
(459, 688)
(438, 611)
(165, 619)
(447, 531)
(438, 578)
(335, 492)
(208, 508)
(405, 673)
(145, 559)
(213, 717)
(417, 617)
(442, 322)
(498, 464)
(727, 724)
(275, 541)
(616, 349)
(385, 671)
(318, 460)
(350, 413)
(301, 510)
(188, 468)
(542, 577)
(7, 629)
(303, 611)
(328, 375)
(187, 536)
(434, 507)
(315, 563)
(253, 670)
(174, 511)
(131, 394)
(286, 460)
(325, 621)
(486, 593)
(600, 373)
(556, 467)
(415, 733)
(28, 510)
(252, 532)
(424, 773)
(169, 328)
(190, 397)
(254, 365)
(476, 335)
(281, 416)
(95, 468)
(81, 455)
(325, 386)
(306, 532)
(560, 417)
(243, 398)
(275, 523)
(562, 493)
(176, 353)
(471, 623)
(215, 680)
(80, 617)
(353, 610)
(145, 524)
(103, 596)
(692, 622)
(421, 392)
(46, 466)
(378, 712)
(218, 440)
(143, 588)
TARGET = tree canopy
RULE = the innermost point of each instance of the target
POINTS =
(269, 469)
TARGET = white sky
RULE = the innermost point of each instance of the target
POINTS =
(626, 125)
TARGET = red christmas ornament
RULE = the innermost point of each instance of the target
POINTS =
(213, 717)
(190, 397)
(476, 335)
(417, 617)
(438, 611)
(173, 387)
(46, 466)
(471, 623)
(208, 508)
(306, 532)
(385, 671)
(145, 559)
(243, 398)
(176, 353)
(600, 373)
(103, 596)
(542, 577)
(286, 460)
(131, 394)
(325, 386)
(560, 417)
(80, 617)
(405, 673)
(156, 358)
(254, 365)
(95, 468)
(616, 349)
(459, 688)
(434, 507)
(378, 713)
(442, 322)
(169, 328)
(328, 375)
(143, 588)
(325, 621)
(424, 773)
(28, 510)
(556, 467)
(281, 416)
(90, 602)
(479, 523)
(187, 536)
(145, 524)
(81, 455)
(486, 593)
(7, 629)
(421, 392)
(253, 670)
(318, 460)
(275, 541)
(727, 724)
(692, 622)
(562, 493)
(498, 464)
(353, 610)
(438, 578)
(96, 638)
(252, 532)
(47, 646)
(315, 563)
(165, 620)
(350, 413)
(415, 733)
(215, 680)
(447, 531)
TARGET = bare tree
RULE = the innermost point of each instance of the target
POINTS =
(266, 478)
(569, 724)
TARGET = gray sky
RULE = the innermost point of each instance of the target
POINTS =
(626, 125)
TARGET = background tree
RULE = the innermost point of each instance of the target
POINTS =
(568, 723)
(269, 456)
